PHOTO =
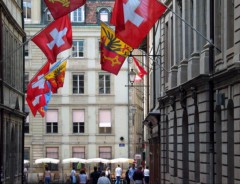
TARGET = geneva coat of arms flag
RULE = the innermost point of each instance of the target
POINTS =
(113, 50)
(55, 38)
(135, 18)
(56, 75)
(59, 8)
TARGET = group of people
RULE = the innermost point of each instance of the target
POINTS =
(137, 175)
(96, 177)
(132, 176)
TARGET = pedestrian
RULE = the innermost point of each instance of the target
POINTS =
(94, 176)
(25, 174)
(126, 175)
(130, 173)
(103, 179)
(72, 175)
(146, 173)
(108, 172)
(138, 176)
(47, 175)
(83, 177)
(118, 174)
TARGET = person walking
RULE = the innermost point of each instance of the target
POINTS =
(130, 173)
(146, 173)
(83, 177)
(118, 174)
(126, 176)
(94, 176)
(103, 179)
(47, 175)
(108, 173)
(73, 176)
(138, 176)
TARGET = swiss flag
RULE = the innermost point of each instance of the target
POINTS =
(138, 17)
(61, 8)
(36, 90)
(38, 84)
(36, 103)
(55, 38)
(141, 71)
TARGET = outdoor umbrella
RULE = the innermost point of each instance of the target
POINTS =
(46, 160)
(74, 160)
(122, 160)
(26, 161)
(98, 160)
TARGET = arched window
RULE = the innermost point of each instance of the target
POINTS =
(103, 14)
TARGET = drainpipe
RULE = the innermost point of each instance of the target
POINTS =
(211, 93)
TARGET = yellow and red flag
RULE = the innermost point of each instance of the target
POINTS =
(59, 8)
(56, 75)
(113, 50)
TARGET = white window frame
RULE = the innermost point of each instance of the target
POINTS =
(105, 121)
(78, 86)
(26, 4)
(78, 119)
(78, 152)
(52, 121)
(103, 84)
(78, 48)
(104, 15)
(80, 15)
(105, 152)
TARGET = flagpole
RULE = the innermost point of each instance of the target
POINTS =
(210, 42)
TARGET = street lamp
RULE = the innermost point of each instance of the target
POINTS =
(132, 76)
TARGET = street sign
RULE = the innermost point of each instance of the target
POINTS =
(138, 156)
(121, 145)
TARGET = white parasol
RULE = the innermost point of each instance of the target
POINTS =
(74, 160)
(46, 160)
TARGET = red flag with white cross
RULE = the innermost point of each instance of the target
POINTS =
(36, 90)
(135, 18)
(55, 38)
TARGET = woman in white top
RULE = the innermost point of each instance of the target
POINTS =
(146, 173)
(83, 177)
(107, 172)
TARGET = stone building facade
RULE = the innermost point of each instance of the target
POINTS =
(89, 116)
(12, 114)
(194, 137)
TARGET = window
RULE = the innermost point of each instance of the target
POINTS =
(78, 152)
(77, 48)
(26, 49)
(105, 121)
(26, 125)
(78, 15)
(78, 121)
(103, 13)
(52, 152)
(26, 80)
(49, 16)
(104, 84)
(52, 121)
(26, 153)
(27, 6)
(105, 152)
(78, 84)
